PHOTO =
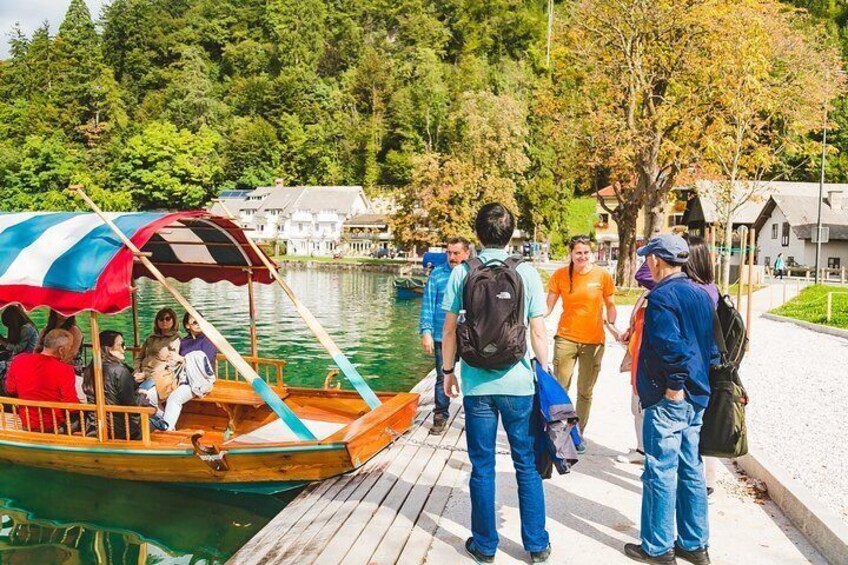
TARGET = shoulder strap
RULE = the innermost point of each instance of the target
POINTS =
(719, 335)
(473, 264)
(513, 261)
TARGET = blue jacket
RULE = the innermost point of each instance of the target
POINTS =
(432, 316)
(555, 422)
(677, 344)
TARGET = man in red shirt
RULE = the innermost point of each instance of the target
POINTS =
(47, 376)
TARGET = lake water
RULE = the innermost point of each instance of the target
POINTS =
(57, 518)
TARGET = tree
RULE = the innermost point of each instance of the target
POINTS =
(773, 85)
(166, 167)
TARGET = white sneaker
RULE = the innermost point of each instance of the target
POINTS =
(633, 456)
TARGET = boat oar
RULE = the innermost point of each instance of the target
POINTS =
(339, 358)
(247, 372)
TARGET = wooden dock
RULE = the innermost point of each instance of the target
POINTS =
(387, 511)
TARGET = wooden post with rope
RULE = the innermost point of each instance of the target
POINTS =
(285, 413)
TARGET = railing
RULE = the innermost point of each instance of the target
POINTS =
(270, 370)
(75, 418)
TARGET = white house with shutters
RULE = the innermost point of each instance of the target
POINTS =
(304, 220)
(787, 225)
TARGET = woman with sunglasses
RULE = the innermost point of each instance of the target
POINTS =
(159, 358)
(585, 290)
(198, 375)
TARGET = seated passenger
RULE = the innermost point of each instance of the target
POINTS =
(119, 386)
(47, 376)
(59, 321)
(21, 338)
(157, 362)
(198, 375)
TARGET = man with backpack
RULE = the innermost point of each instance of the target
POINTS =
(489, 302)
(672, 380)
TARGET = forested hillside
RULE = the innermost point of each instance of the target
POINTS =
(444, 103)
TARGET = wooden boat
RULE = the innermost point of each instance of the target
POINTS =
(262, 437)
(409, 287)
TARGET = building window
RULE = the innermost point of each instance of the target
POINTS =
(774, 231)
(768, 262)
(675, 220)
(833, 263)
(790, 261)
(784, 239)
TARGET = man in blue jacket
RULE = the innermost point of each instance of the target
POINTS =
(433, 318)
(673, 383)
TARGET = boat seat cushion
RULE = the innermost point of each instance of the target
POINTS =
(276, 431)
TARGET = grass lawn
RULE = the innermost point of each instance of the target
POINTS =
(811, 306)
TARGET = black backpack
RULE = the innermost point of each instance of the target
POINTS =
(491, 331)
(725, 429)
(732, 328)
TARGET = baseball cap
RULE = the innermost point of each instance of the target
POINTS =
(669, 247)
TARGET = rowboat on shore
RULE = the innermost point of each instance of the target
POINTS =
(253, 432)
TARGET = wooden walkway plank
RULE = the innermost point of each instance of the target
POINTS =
(349, 534)
(421, 538)
(404, 523)
(266, 547)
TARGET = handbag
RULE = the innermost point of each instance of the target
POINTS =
(166, 382)
(725, 431)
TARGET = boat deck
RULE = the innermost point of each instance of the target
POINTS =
(386, 511)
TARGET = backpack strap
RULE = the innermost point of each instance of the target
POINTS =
(718, 335)
(473, 264)
(513, 261)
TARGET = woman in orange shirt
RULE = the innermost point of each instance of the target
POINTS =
(585, 290)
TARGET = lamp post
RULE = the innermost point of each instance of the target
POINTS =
(821, 196)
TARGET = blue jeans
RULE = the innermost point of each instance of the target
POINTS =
(481, 431)
(442, 399)
(673, 480)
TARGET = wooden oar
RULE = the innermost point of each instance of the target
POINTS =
(339, 358)
(261, 387)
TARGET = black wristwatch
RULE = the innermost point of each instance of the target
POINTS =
(449, 371)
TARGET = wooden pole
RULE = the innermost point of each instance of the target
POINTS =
(99, 391)
(284, 412)
(134, 295)
(829, 306)
(713, 253)
(752, 242)
(317, 329)
(741, 266)
(251, 302)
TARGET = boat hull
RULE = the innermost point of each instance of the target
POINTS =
(248, 467)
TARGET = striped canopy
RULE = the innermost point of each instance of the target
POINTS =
(73, 262)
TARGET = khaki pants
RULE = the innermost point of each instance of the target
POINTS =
(588, 357)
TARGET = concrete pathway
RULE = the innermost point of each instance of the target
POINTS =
(593, 511)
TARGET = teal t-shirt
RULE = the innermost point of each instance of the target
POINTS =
(518, 379)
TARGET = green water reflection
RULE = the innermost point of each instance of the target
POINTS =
(48, 517)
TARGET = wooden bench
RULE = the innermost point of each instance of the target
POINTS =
(232, 397)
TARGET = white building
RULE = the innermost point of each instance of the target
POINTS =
(304, 220)
(787, 225)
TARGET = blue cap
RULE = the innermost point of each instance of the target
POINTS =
(669, 247)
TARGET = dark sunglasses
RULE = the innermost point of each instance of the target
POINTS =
(166, 318)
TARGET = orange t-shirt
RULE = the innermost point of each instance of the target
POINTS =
(582, 318)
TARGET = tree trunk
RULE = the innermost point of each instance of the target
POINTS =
(655, 202)
(626, 268)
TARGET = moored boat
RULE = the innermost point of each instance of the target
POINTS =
(253, 432)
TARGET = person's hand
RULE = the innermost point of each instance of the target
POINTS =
(427, 343)
(139, 377)
(451, 386)
(675, 395)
